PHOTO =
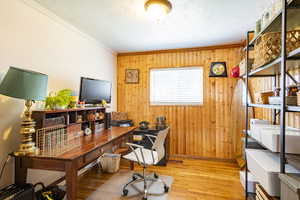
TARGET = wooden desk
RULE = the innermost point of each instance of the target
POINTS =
(70, 162)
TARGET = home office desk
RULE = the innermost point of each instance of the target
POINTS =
(91, 148)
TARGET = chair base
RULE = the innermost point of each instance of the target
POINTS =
(137, 178)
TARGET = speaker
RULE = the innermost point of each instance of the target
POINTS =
(107, 120)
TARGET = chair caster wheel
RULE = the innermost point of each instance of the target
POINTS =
(125, 192)
(144, 198)
(166, 188)
(156, 176)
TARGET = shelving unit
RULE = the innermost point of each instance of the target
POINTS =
(287, 19)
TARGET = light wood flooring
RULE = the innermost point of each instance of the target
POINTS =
(193, 180)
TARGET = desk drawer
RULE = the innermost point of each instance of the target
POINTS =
(107, 148)
(92, 156)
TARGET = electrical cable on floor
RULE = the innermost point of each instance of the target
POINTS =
(4, 165)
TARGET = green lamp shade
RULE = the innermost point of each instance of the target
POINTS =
(24, 84)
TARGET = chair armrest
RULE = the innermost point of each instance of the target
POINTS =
(151, 137)
(134, 145)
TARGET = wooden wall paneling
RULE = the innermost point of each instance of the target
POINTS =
(201, 131)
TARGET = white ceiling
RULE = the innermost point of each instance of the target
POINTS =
(123, 25)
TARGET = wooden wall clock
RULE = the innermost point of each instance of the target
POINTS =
(131, 76)
(218, 69)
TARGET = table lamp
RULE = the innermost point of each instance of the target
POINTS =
(30, 86)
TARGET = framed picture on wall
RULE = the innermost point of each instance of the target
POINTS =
(132, 75)
(218, 69)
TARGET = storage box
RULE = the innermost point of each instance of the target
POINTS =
(290, 186)
(255, 130)
(298, 98)
(251, 181)
(265, 167)
(270, 138)
(290, 100)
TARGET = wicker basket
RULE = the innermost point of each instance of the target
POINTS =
(268, 46)
(110, 163)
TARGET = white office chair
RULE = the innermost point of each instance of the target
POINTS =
(145, 158)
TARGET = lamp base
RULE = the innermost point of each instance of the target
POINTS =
(27, 145)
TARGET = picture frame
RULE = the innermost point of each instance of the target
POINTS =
(132, 76)
(218, 69)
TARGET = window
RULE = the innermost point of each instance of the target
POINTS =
(176, 86)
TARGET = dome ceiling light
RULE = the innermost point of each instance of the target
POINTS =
(158, 8)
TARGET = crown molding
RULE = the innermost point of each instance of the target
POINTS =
(181, 50)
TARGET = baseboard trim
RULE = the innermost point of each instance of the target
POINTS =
(181, 156)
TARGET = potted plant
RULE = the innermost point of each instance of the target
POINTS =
(59, 100)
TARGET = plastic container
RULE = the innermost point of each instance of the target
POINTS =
(290, 186)
(251, 181)
(270, 138)
(256, 130)
(110, 163)
(265, 167)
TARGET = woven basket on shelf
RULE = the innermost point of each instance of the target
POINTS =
(268, 46)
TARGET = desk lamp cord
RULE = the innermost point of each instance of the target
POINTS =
(3, 167)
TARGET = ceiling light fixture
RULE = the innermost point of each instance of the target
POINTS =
(158, 8)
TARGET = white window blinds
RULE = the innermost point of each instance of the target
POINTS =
(176, 86)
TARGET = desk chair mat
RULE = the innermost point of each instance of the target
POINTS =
(112, 189)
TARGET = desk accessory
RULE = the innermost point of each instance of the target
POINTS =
(54, 141)
(107, 120)
(30, 86)
(161, 123)
(144, 125)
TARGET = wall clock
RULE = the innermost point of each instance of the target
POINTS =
(218, 69)
(132, 76)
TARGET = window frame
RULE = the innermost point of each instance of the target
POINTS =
(177, 103)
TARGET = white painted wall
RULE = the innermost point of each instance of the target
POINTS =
(34, 38)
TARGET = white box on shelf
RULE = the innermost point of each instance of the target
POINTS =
(270, 138)
(259, 121)
(265, 167)
(251, 181)
(256, 130)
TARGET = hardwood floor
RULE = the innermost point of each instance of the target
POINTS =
(193, 180)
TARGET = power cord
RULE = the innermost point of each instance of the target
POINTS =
(5, 163)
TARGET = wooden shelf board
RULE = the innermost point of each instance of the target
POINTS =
(293, 108)
(277, 107)
(68, 110)
(269, 106)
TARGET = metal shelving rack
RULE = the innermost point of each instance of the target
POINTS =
(279, 67)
